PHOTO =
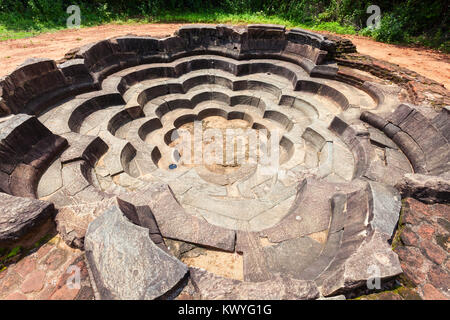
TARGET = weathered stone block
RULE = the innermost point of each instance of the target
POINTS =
(212, 287)
(429, 189)
(124, 261)
(19, 217)
(386, 207)
(175, 223)
(374, 254)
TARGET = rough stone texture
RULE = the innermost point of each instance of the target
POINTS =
(425, 145)
(124, 261)
(175, 223)
(73, 221)
(386, 208)
(402, 293)
(374, 252)
(339, 297)
(420, 90)
(47, 273)
(27, 148)
(426, 188)
(211, 287)
(21, 216)
(83, 147)
(424, 248)
(39, 82)
(268, 76)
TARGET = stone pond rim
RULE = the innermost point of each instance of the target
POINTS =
(80, 144)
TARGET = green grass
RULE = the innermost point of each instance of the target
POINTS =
(7, 33)
(29, 28)
(8, 256)
(17, 27)
(248, 18)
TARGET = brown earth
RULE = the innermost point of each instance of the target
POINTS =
(429, 63)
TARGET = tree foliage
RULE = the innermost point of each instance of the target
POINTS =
(401, 20)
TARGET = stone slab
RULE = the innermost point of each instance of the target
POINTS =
(124, 261)
(21, 216)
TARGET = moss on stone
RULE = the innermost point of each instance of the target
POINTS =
(399, 293)
(396, 241)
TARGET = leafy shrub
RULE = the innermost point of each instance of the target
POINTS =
(391, 29)
(413, 21)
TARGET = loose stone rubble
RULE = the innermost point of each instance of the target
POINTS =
(86, 145)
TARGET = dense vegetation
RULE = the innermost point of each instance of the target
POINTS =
(410, 21)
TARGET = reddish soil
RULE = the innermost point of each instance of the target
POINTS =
(428, 63)
(54, 45)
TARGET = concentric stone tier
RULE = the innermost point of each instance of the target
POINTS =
(101, 148)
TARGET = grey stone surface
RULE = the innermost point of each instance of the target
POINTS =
(39, 82)
(378, 137)
(27, 148)
(386, 202)
(291, 257)
(83, 147)
(268, 76)
(213, 287)
(427, 188)
(74, 176)
(125, 262)
(21, 216)
(300, 221)
(373, 258)
(175, 223)
(421, 139)
(442, 122)
(72, 221)
(51, 180)
(18, 135)
(339, 297)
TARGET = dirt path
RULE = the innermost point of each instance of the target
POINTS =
(55, 45)
(428, 63)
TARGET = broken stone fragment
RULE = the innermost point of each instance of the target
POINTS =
(124, 261)
(386, 202)
(426, 188)
(212, 287)
(72, 221)
(20, 217)
(373, 260)
(175, 223)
